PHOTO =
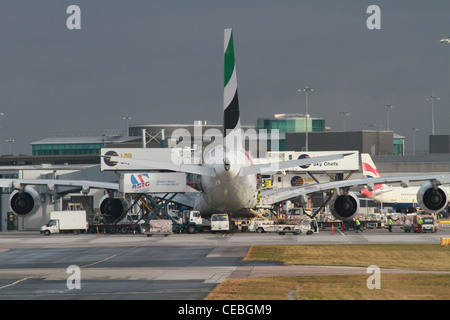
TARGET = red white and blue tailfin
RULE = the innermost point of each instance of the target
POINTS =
(370, 171)
(369, 168)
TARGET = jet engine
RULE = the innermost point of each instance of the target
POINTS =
(113, 207)
(431, 199)
(25, 202)
(344, 207)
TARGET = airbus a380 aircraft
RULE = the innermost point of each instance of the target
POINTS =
(403, 199)
(228, 174)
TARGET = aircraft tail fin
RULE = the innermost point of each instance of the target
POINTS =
(368, 166)
(232, 133)
(370, 171)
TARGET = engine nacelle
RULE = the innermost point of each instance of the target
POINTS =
(432, 200)
(25, 202)
(344, 207)
(114, 207)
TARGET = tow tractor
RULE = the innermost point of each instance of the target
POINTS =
(309, 226)
(281, 226)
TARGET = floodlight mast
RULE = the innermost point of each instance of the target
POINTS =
(432, 99)
(306, 90)
(388, 107)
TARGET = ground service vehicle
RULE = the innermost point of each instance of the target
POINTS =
(190, 221)
(159, 227)
(265, 225)
(220, 222)
(129, 224)
(66, 221)
(309, 226)
(429, 224)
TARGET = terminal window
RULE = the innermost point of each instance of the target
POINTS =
(66, 149)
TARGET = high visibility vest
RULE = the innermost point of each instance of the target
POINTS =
(357, 222)
(420, 221)
(390, 222)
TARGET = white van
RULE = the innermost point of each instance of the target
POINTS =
(220, 222)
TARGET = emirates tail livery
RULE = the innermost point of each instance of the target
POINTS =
(228, 174)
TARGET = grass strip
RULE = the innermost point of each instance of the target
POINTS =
(399, 256)
(431, 257)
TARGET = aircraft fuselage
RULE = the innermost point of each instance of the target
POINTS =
(228, 191)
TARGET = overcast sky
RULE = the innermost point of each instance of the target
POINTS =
(162, 62)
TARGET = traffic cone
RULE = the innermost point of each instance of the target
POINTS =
(332, 228)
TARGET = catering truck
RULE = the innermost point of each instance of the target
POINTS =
(66, 221)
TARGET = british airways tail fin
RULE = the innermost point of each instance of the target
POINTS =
(232, 133)
(369, 168)
(370, 171)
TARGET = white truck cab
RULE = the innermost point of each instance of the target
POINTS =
(220, 222)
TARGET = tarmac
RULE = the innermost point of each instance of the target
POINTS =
(177, 267)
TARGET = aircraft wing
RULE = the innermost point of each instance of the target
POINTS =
(85, 185)
(273, 167)
(159, 165)
(266, 168)
(275, 196)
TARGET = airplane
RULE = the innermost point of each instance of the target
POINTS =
(229, 175)
(402, 199)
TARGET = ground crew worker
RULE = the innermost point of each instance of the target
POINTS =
(313, 224)
(390, 224)
(358, 226)
(419, 225)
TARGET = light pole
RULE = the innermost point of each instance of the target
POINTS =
(128, 128)
(446, 41)
(1, 115)
(432, 98)
(10, 145)
(306, 90)
(414, 130)
(387, 107)
(344, 115)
